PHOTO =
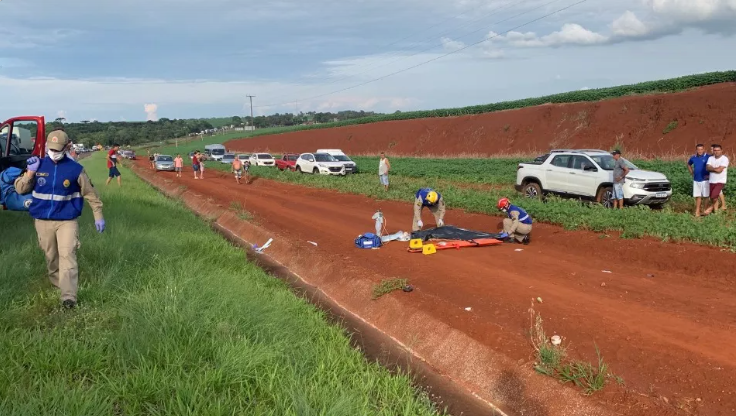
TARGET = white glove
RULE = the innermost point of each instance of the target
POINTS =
(420, 223)
(440, 223)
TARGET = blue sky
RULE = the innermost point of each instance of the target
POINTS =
(136, 59)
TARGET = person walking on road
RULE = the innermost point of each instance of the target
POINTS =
(152, 159)
(237, 169)
(620, 170)
(59, 185)
(384, 166)
(195, 164)
(112, 164)
(697, 167)
(428, 197)
(717, 167)
(518, 225)
(178, 165)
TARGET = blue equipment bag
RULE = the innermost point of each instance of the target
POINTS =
(368, 240)
(8, 196)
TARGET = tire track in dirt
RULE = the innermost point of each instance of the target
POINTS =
(670, 335)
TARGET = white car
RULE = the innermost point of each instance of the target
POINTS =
(262, 159)
(588, 173)
(319, 163)
(350, 166)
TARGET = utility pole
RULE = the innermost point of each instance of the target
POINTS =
(252, 123)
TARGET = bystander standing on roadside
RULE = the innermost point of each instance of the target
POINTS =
(151, 159)
(178, 165)
(112, 164)
(718, 168)
(201, 166)
(721, 198)
(237, 169)
(384, 167)
(195, 164)
(697, 166)
(620, 170)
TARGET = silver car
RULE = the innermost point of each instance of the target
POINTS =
(164, 162)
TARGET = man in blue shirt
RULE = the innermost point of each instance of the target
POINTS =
(696, 165)
(518, 225)
(428, 197)
(59, 185)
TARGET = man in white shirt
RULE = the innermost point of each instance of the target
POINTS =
(717, 167)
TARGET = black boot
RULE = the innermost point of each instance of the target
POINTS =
(68, 304)
(527, 239)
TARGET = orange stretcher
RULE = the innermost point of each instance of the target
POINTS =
(458, 244)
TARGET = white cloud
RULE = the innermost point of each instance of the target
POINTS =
(451, 45)
(570, 34)
(150, 110)
(628, 25)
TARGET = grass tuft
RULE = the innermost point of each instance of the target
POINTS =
(387, 286)
(671, 126)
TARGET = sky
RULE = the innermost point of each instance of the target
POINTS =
(137, 60)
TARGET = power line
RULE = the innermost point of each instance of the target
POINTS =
(442, 56)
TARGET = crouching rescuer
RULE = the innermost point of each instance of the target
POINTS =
(427, 197)
(518, 225)
(59, 185)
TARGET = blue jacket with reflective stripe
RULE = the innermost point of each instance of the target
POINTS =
(56, 195)
(422, 194)
(524, 218)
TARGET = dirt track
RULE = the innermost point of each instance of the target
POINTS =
(703, 115)
(664, 321)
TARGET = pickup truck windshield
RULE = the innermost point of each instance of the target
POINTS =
(218, 152)
(323, 157)
(607, 162)
(291, 157)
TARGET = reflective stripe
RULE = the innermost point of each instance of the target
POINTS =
(50, 197)
(524, 218)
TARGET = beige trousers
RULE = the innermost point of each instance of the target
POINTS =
(59, 241)
(517, 231)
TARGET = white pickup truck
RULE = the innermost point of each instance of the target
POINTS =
(588, 173)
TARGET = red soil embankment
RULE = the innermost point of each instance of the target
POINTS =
(638, 123)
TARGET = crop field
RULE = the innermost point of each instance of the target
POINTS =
(475, 185)
(172, 320)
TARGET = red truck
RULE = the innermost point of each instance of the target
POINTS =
(20, 138)
(287, 161)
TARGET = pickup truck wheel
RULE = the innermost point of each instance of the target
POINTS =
(605, 196)
(532, 190)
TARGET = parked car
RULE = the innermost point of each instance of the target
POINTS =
(127, 154)
(319, 163)
(164, 162)
(244, 157)
(262, 159)
(350, 166)
(287, 161)
(215, 151)
(227, 158)
(588, 173)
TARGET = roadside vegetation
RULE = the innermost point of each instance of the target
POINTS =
(552, 360)
(172, 320)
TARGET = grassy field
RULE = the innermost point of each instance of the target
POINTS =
(172, 321)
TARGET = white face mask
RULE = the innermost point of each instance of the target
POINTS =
(54, 155)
